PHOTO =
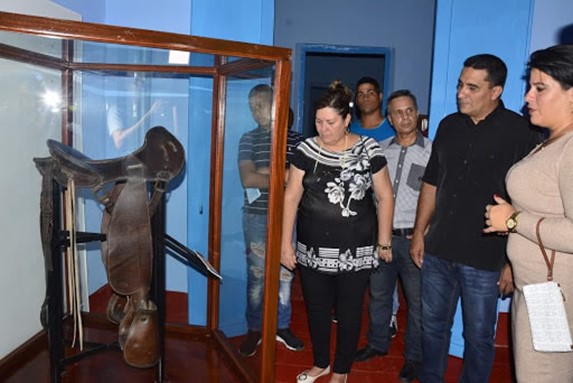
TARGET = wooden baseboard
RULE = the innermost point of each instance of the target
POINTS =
(176, 301)
(39, 342)
(20, 356)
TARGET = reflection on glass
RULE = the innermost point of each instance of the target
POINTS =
(112, 113)
(250, 116)
(254, 160)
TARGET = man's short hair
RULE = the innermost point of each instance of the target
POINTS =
(493, 65)
(401, 93)
(365, 80)
(368, 80)
(261, 88)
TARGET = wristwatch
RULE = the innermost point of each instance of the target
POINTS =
(385, 247)
(511, 222)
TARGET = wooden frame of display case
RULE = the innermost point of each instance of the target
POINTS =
(249, 57)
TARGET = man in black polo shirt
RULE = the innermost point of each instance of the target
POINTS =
(472, 152)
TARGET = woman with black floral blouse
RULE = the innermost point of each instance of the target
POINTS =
(340, 188)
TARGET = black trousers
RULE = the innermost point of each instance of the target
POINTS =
(321, 293)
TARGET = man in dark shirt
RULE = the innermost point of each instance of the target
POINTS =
(472, 152)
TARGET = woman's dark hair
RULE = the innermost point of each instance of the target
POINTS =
(556, 61)
(338, 96)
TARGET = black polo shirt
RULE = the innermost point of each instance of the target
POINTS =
(468, 165)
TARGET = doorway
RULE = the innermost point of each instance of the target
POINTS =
(321, 64)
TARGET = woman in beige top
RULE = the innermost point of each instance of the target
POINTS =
(541, 187)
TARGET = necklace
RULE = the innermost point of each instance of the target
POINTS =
(342, 160)
(552, 139)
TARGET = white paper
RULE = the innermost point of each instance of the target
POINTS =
(547, 317)
(252, 194)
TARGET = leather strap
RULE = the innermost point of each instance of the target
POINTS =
(548, 262)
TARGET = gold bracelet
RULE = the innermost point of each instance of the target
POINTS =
(384, 247)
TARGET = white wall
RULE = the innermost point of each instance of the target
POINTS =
(22, 283)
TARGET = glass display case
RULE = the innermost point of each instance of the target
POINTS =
(99, 89)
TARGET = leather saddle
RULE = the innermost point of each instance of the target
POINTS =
(160, 158)
(121, 185)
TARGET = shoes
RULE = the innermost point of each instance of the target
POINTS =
(410, 371)
(367, 353)
(286, 337)
(393, 326)
(333, 317)
(249, 345)
(304, 377)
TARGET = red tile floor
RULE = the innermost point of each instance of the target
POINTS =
(188, 361)
(377, 370)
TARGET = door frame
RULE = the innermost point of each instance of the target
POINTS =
(304, 49)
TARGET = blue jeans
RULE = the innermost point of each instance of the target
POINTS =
(443, 282)
(382, 286)
(255, 232)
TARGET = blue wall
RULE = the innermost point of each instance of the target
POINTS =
(504, 33)
(172, 16)
(406, 26)
(248, 21)
(550, 19)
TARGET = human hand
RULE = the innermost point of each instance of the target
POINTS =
(417, 249)
(496, 216)
(385, 255)
(505, 282)
(264, 170)
(288, 257)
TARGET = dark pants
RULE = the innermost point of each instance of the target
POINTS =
(382, 285)
(345, 292)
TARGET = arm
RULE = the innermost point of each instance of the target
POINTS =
(424, 212)
(119, 134)
(252, 177)
(385, 206)
(293, 195)
(505, 282)
(555, 231)
(495, 220)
